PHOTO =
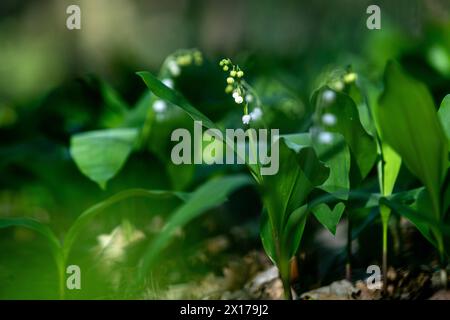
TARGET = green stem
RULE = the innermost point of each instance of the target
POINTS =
(442, 259)
(252, 147)
(284, 269)
(385, 252)
(61, 275)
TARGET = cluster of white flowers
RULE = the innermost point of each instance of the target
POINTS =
(338, 84)
(171, 69)
(255, 115)
(234, 80)
(182, 58)
(240, 90)
(327, 118)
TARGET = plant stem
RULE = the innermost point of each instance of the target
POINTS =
(287, 290)
(385, 253)
(442, 259)
(60, 263)
(285, 278)
(444, 278)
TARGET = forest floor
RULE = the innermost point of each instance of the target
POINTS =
(253, 277)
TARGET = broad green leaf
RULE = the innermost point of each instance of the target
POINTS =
(360, 92)
(446, 204)
(327, 217)
(422, 221)
(444, 116)
(116, 107)
(101, 154)
(266, 234)
(348, 124)
(390, 167)
(408, 122)
(166, 93)
(293, 230)
(136, 117)
(207, 196)
(336, 156)
(406, 197)
(300, 171)
(86, 217)
(418, 213)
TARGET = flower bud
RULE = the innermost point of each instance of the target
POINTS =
(228, 89)
(350, 77)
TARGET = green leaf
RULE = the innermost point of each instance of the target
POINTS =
(390, 167)
(101, 154)
(300, 171)
(207, 196)
(86, 217)
(327, 217)
(444, 116)
(166, 93)
(420, 220)
(335, 156)
(408, 122)
(293, 231)
(116, 107)
(348, 124)
(266, 234)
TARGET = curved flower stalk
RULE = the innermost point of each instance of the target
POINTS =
(285, 194)
(241, 91)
